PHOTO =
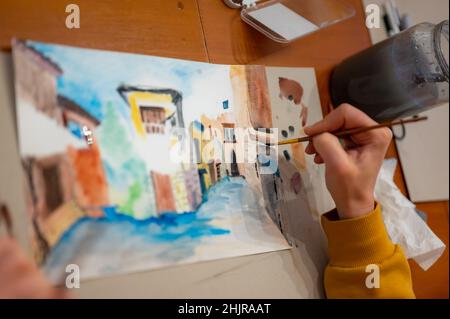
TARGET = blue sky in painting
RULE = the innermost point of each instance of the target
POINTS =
(90, 78)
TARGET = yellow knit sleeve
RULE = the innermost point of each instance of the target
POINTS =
(364, 263)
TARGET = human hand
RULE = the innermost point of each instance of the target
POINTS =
(351, 169)
(20, 278)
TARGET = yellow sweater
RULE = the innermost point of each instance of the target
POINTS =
(359, 249)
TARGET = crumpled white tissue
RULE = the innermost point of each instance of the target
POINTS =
(403, 224)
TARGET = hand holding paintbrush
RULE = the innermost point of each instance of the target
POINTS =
(352, 165)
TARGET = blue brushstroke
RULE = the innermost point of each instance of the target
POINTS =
(225, 105)
(82, 95)
(99, 243)
(170, 226)
(75, 129)
(198, 126)
(92, 79)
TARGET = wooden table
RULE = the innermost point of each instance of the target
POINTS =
(206, 30)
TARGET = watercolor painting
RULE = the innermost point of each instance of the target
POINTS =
(98, 133)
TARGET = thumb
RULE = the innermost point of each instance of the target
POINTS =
(330, 150)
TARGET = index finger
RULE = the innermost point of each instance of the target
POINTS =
(343, 117)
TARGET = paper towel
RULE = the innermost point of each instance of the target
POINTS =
(403, 224)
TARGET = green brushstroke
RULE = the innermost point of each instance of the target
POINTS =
(114, 138)
(136, 168)
(134, 193)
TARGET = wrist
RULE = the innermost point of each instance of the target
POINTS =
(356, 208)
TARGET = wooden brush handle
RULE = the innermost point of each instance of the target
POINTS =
(356, 130)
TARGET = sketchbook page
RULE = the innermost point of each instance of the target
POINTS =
(295, 105)
(295, 195)
(301, 189)
(119, 151)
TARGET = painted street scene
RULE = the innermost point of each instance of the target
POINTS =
(132, 162)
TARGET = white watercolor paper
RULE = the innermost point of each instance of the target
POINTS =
(122, 204)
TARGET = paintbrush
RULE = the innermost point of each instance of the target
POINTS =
(347, 133)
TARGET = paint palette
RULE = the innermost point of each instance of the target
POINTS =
(288, 20)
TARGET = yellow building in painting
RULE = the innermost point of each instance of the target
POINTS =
(197, 132)
(153, 109)
(179, 188)
(214, 148)
(156, 111)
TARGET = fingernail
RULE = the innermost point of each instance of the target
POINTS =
(308, 148)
